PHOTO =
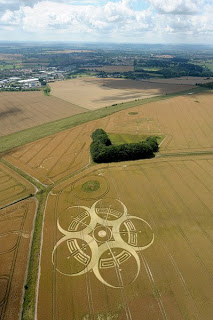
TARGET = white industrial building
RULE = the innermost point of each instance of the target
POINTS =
(30, 83)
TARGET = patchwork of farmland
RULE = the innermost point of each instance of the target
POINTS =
(121, 240)
(22, 110)
(186, 123)
(16, 225)
(113, 68)
(94, 93)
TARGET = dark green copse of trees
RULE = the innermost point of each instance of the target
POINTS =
(102, 149)
(206, 85)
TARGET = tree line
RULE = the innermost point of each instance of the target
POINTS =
(102, 149)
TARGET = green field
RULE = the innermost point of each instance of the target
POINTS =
(120, 138)
(208, 64)
(6, 66)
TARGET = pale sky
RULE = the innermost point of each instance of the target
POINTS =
(136, 21)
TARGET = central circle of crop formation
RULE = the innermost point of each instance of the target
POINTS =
(102, 233)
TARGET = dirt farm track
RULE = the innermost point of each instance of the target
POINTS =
(119, 241)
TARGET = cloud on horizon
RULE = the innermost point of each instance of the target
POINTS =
(92, 20)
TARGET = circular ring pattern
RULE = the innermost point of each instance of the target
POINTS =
(99, 239)
(92, 195)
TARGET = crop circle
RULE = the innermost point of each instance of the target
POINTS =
(91, 186)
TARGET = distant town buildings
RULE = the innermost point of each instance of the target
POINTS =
(31, 79)
(30, 83)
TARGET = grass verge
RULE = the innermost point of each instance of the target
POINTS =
(28, 311)
(25, 136)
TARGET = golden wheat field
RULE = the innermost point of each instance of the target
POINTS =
(13, 187)
(139, 244)
(16, 225)
(127, 240)
(186, 123)
(93, 93)
(22, 110)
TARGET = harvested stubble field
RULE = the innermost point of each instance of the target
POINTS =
(146, 254)
(186, 123)
(22, 110)
(16, 225)
(13, 187)
(94, 93)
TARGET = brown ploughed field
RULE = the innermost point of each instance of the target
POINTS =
(94, 93)
(13, 187)
(186, 123)
(16, 225)
(22, 110)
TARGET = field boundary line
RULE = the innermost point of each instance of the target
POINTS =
(17, 201)
(33, 278)
(28, 258)
(20, 138)
(72, 104)
(39, 265)
(181, 154)
(20, 172)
